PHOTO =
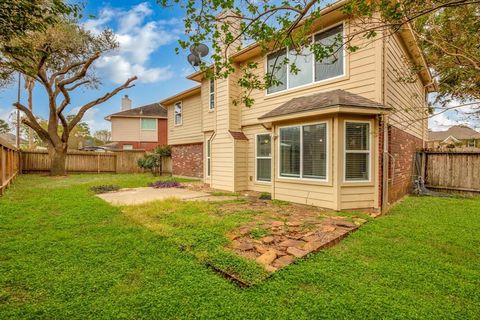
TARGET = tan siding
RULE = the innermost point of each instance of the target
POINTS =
(222, 162)
(190, 131)
(208, 116)
(406, 98)
(126, 129)
(241, 165)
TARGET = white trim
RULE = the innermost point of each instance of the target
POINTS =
(313, 82)
(257, 157)
(175, 114)
(327, 155)
(369, 151)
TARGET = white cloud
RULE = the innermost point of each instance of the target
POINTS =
(138, 40)
(458, 113)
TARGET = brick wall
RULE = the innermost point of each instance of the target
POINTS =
(187, 160)
(402, 147)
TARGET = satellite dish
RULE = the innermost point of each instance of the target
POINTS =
(194, 60)
(200, 50)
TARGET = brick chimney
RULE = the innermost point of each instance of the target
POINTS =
(126, 103)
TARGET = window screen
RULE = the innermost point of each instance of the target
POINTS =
(315, 151)
(332, 65)
(278, 69)
(290, 152)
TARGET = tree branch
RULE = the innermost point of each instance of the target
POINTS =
(89, 105)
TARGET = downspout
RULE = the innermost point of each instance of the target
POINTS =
(385, 155)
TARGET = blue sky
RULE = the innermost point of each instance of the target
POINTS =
(148, 35)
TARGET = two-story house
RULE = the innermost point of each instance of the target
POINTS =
(144, 127)
(339, 135)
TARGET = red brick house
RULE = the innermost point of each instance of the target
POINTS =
(139, 128)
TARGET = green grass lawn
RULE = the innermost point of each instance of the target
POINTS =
(66, 254)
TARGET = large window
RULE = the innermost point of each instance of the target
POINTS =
(357, 151)
(303, 151)
(307, 70)
(211, 105)
(148, 124)
(264, 157)
(178, 113)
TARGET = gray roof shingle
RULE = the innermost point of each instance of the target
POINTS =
(322, 100)
(150, 110)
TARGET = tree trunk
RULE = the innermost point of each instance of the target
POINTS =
(58, 157)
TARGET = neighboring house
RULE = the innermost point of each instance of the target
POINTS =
(460, 136)
(319, 138)
(139, 128)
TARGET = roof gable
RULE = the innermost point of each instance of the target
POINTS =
(459, 132)
(154, 110)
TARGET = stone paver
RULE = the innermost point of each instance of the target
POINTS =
(292, 239)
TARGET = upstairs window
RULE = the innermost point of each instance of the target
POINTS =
(148, 124)
(211, 105)
(307, 69)
(332, 66)
(357, 151)
(178, 113)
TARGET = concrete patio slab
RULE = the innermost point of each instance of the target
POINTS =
(147, 194)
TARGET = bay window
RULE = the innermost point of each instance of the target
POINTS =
(357, 151)
(307, 69)
(303, 151)
(263, 155)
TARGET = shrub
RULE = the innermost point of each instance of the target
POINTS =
(165, 184)
(163, 150)
(150, 162)
(105, 188)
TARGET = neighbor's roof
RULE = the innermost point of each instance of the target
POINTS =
(460, 132)
(323, 100)
(154, 110)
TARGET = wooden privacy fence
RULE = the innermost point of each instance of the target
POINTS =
(459, 170)
(9, 164)
(124, 161)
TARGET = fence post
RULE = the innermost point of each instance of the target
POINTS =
(98, 163)
(2, 169)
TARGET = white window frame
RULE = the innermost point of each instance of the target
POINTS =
(211, 93)
(257, 157)
(474, 145)
(131, 146)
(327, 156)
(209, 158)
(156, 124)
(313, 82)
(175, 113)
(369, 151)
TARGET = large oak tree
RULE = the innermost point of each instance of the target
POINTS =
(60, 59)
